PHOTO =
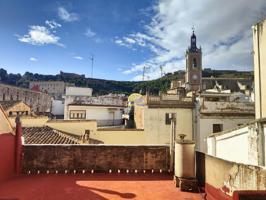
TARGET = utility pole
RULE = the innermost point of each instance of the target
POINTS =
(92, 60)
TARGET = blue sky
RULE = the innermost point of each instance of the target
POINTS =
(124, 35)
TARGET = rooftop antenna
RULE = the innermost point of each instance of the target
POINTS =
(92, 60)
(143, 73)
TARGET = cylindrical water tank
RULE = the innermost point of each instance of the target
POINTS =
(185, 159)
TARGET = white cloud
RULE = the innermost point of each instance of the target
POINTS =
(78, 57)
(52, 24)
(33, 59)
(39, 35)
(223, 29)
(67, 16)
(89, 33)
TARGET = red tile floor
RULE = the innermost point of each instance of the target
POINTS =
(94, 187)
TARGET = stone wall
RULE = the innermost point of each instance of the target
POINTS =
(97, 157)
(38, 101)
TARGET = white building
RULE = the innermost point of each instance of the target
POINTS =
(221, 111)
(79, 104)
(246, 144)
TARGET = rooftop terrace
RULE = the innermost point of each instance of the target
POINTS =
(94, 187)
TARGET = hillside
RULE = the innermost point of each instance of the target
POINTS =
(101, 86)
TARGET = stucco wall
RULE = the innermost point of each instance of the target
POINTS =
(157, 132)
(206, 127)
(104, 115)
(139, 116)
(57, 107)
(239, 145)
(234, 176)
(30, 121)
(120, 137)
(259, 53)
(97, 157)
(7, 156)
(77, 127)
(223, 177)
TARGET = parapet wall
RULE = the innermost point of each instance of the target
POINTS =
(96, 157)
(224, 179)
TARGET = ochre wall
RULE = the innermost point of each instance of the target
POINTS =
(28, 121)
(157, 132)
(76, 127)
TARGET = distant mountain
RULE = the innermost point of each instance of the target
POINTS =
(101, 86)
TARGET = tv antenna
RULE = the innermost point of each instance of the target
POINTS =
(92, 60)
(144, 72)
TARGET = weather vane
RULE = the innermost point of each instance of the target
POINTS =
(193, 28)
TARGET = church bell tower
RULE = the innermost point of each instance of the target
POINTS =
(193, 65)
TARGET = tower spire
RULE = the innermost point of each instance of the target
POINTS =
(193, 41)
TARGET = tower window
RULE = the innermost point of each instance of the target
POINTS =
(194, 62)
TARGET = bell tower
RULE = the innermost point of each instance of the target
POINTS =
(193, 65)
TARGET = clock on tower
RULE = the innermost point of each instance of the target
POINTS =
(193, 65)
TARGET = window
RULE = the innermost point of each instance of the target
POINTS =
(10, 113)
(4, 96)
(168, 118)
(217, 128)
(194, 62)
(77, 114)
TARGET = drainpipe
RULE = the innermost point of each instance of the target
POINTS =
(172, 140)
(18, 146)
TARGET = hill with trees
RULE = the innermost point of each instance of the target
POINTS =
(101, 86)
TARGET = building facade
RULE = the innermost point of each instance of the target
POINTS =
(217, 112)
(156, 115)
(79, 104)
(54, 88)
(15, 108)
(38, 101)
(105, 115)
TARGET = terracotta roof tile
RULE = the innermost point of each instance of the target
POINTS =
(47, 135)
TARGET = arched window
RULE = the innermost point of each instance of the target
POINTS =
(194, 64)
(10, 113)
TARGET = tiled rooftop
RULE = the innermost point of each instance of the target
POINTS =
(94, 187)
(47, 135)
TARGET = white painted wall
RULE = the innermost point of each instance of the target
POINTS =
(78, 91)
(240, 145)
(234, 146)
(206, 127)
(58, 107)
(104, 115)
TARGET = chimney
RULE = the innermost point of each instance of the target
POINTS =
(18, 146)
